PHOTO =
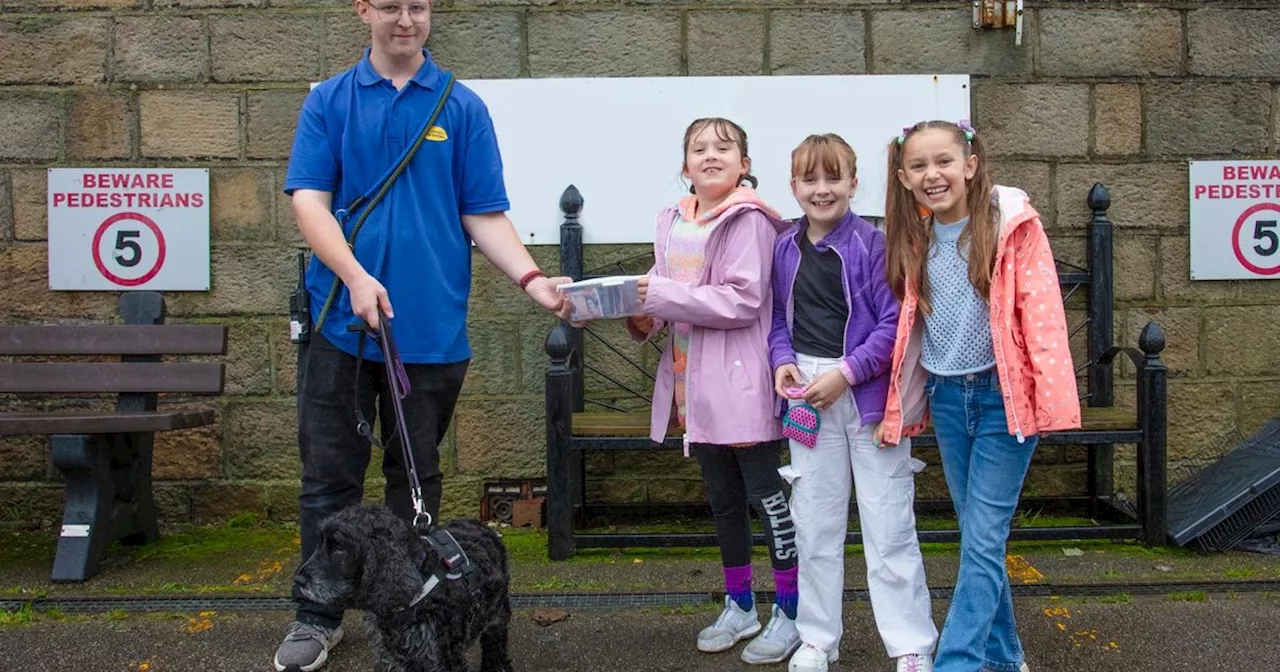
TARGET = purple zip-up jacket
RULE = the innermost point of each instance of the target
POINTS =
(873, 309)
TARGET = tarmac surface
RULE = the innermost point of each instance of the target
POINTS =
(1092, 606)
(1193, 633)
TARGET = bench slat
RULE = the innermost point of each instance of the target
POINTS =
(79, 422)
(608, 423)
(112, 377)
(114, 339)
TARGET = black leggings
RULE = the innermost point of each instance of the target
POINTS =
(736, 477)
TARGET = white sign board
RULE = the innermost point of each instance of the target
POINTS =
(1235, 220)
(617, 139)
(128, 228)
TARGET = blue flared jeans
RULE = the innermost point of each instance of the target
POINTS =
(984, 466)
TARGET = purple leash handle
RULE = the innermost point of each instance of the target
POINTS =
(398, 386)
(398, 382)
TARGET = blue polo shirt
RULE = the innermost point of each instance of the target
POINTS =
(351, 131)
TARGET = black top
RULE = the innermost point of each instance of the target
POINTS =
(820, 308)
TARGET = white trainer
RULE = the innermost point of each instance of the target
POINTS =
(809, 658)
(915, 662)
(732, 626)
(777, 641)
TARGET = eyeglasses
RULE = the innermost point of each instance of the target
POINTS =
(418, 12)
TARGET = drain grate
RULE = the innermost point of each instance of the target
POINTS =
(182, 604)
(1224, 502)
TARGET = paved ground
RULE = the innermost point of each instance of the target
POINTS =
(1158, 628)
(1147, 633)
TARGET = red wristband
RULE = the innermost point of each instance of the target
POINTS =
(528, 278)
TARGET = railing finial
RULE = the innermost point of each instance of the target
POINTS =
(1152, 339)
(1099, 198)
(571, 201)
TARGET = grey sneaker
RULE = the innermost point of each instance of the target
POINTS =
(732, 625)
(775, 643)
(306, 647)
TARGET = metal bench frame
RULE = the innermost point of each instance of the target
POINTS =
(105, 456)
(565, 396)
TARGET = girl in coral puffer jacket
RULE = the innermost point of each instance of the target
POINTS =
(981, 348)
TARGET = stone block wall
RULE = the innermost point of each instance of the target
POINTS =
(1120, 92)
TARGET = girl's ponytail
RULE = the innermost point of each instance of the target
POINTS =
(906, 232)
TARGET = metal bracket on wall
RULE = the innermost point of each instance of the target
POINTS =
(999, 14)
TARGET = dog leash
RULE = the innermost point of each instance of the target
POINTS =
(398, 385)
(456, 563)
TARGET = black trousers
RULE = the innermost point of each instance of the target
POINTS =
(335, 456)
(737, 480)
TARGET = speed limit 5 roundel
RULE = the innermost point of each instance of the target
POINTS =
(1256, 239)
(128, 249)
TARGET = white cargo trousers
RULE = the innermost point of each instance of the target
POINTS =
(884, 481)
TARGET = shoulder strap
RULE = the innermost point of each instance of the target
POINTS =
(367, 203)
(384, 183)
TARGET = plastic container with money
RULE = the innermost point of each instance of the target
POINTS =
(604, 298)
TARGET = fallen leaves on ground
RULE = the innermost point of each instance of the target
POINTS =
(200, 622)
(545, 617)
(1020, 570)
(265, 571)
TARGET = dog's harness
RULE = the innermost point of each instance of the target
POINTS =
(454, 561)
(455, 564)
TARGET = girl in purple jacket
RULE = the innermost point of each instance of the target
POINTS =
(710, 288)
(834, 323)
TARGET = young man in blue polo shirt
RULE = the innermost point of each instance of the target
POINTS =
(411, 258)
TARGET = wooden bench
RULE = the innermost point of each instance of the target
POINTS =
(576, 425)
(105, 456)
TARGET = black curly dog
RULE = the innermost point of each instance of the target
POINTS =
(370, 559)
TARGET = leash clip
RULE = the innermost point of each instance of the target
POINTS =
(423, 529)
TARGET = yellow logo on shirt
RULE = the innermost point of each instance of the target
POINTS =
(437, 134)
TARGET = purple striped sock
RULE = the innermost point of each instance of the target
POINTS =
(737, 583)
(788, 595)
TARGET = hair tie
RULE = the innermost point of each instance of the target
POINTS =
(906, 130)
(967, 128)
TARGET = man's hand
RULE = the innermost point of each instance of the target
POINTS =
(367, 295)
(826, 389)
(784, 377)
(543, 291)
